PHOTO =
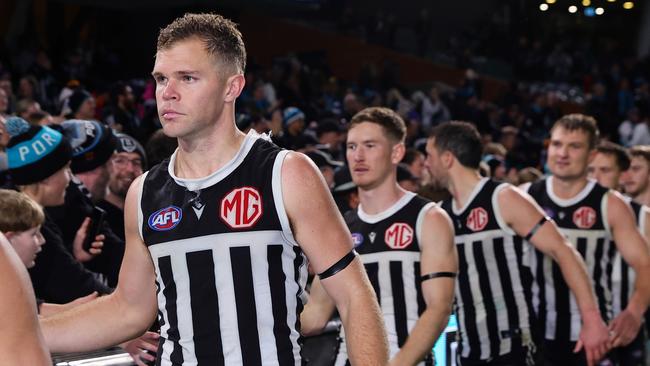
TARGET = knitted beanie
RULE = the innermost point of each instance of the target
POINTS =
(34, 152)
(93, 144)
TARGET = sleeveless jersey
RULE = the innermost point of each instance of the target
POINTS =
(229, 275)
(623, 276)
(583, 221)
(492, 291)
(389, 247)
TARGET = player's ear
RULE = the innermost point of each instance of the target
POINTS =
(398, 153)
(234, 86)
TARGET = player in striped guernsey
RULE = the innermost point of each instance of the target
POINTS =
(220, 233)
(405, 243)
(493, 302)
(590, 216)
(606, 168)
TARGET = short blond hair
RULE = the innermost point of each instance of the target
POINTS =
(18, 212)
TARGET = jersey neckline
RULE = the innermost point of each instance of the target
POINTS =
(479, 186)
(195, 184)
(398, 205)
(570, 201)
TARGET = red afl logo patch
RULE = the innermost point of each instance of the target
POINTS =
(584, 217)
(399, 235)
(477, 219)
(241, 208)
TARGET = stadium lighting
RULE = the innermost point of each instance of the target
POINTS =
(573, 9)
(543, 7)
(611, 1)
(628, 5)
(551, 1)
(586, 2)
(600, 11)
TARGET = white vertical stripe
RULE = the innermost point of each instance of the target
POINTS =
(387, 307)
(496, 290)
(263, 306)
(410, 294)
(140, 215)
(549, 291)
(167, 346)
(617, 279)
(276, 184)
(420, 219)
(291, 289)
(227, 306)
(185, 328)
(481, 314)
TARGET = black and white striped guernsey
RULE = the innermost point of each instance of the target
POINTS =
(389, 246)
(492, 291)
(623, 276)
(229, 275)
(583, 221)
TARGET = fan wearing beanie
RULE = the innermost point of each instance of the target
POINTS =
(93, 145)
(38, 158)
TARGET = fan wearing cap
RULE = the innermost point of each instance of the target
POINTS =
(80, 105)
(325, 164)
(38, 159)
(294, 137)
(127, 163)
(93, 145)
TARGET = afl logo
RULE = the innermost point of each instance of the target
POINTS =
(584, 217)
(165, 219)
(477, 219)
(241, 208)
(357, 239)
(399, 235)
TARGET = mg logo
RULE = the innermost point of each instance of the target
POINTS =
(477, 219)
(399, 235)
(241, 208)
(584, 217)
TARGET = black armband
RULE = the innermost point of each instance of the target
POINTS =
(430, 276)
(338, 266)
(541, 223)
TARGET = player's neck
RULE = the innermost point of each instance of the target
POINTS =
(114, 200)
(378, 199)
(643, 198)
(462, 183)
(200, 156)
(568, 188)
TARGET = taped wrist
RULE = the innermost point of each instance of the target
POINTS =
(338, 266)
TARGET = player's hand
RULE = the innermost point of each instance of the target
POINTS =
(624, 328)
(594, 338)
(77, 246)
(138, 348)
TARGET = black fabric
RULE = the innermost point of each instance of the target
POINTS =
(57, 277)
(430, 276)
(69, 218)
(114, 218)
(337, 267)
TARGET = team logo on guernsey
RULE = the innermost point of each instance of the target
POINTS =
(477, 219)
(584, 217)
(357, 239)
(241, 208)
(399, 235)
(166, 218)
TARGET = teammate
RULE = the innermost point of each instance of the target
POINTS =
(220, 233)
(404, 240)
(636, 179)
(606, 168)
(590, 216)
(493, 302)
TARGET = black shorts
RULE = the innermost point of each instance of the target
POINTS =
(560, 353)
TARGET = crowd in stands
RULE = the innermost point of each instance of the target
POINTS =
(114, 133)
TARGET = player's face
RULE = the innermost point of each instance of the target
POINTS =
(604, 170)
(371, 155)
(189, 89)
(123, 169)
(434, 164)
(635, 179)
(27, 244)
(569, 154)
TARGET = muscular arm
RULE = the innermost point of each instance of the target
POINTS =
(120, 316)
(438, 254)
(634, 250)
(521, 213)
(319, 229)
(21, 341)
